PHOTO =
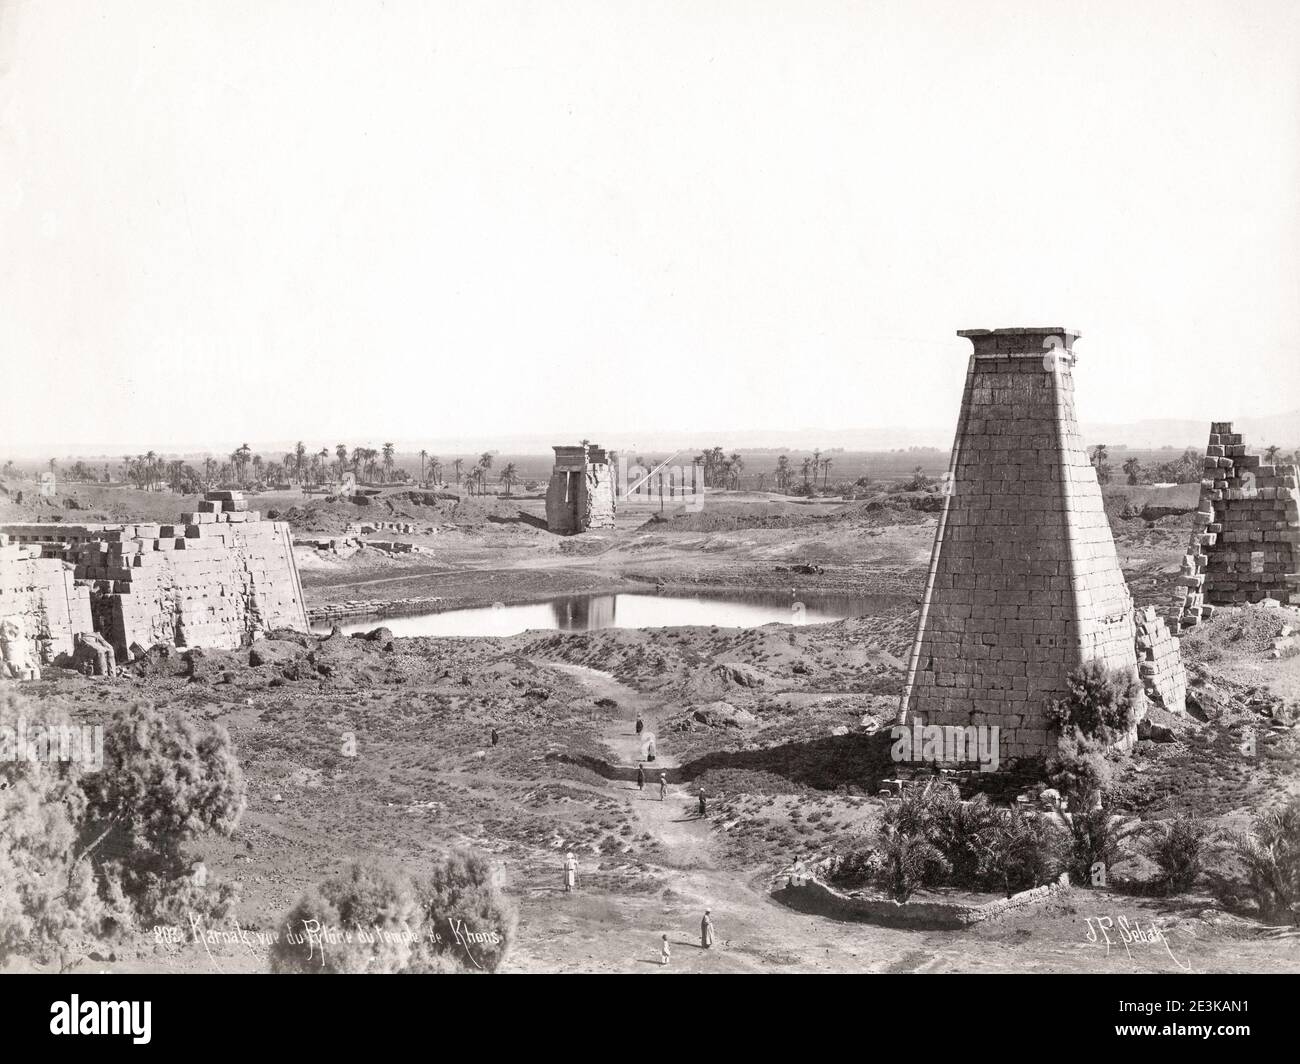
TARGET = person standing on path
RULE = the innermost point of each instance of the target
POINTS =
(706, 931)
(664, 951)
(640, 777)
(704, 809)
(640, 724)
(570, 872)
(495, 737)
(663, 785)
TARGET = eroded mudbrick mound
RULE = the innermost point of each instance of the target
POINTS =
(581, 492)
(1245, 544)
(1024, 584)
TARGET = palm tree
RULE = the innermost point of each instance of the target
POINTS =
(471, 478)
(424, 455)
(257, 468)
(1133, 469)
(509, 475)
(1271, 452)
(826, 468)
(807, 465)
(435, 470)
(457, 462)
(341, 455)
(299, 460)
(389, 450)
(737, 464)
(783, 473)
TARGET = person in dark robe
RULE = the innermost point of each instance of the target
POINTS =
(704, 809)
(640, 778)
(640, 724)
(706, 931)
(495, 737)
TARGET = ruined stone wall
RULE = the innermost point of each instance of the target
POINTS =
(40, 595)
(1024, 584)
(216, 579)
(1245, 543)
(1160, 663)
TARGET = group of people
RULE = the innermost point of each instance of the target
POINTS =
(706, 937)
(571, 862)
(640, 781)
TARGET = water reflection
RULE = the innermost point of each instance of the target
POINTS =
(584, 613)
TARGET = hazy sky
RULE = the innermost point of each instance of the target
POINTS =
(409, 221)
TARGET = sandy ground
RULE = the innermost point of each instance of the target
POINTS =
(784, 787)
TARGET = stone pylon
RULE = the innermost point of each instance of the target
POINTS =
(1023, 583)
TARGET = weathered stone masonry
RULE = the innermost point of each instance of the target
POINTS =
(581, 492)
(1245, 544)
(215, 579)
(1024, 584)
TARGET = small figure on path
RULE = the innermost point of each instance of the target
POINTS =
(663, 785)
(640, 777)
(664, 952)
(640, 724)
(704, 809)
(495, 737)
(706, 931)
(570, 872)
(650, 749)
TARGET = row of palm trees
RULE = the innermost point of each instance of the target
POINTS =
(809, 468)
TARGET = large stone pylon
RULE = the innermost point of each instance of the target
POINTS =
(1023, 583)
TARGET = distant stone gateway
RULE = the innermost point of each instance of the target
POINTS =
(581, 493)
(1024, 584)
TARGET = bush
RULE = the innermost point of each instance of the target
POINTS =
(959, 829)
(1178, 847)
(1021, 852)
(1270, 852)
(462, 899)
(907, 862)
(372, 920)
(1094, 835)
(88, 850)
(365, 921)
(1102, 703)
(1079, 769)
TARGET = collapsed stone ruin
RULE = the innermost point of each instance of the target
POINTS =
(68, 593)
(1245, 544)
(581, 493)
(1024, 584)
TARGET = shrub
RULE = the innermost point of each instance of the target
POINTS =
(365, 921)
(959, 830)
(86, 851)
(1178, 847)
(1021, 852)
(1270, 852)
(1093, 835)
(907, 862)
(373, 920)
(1102, 703)
(1079, 769)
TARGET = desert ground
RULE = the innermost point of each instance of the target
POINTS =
(379, 747)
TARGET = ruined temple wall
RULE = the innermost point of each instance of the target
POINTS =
(1245, 543)
(599, 491)
(41, 594)
(1024, 582)
(216, 579)
(1160, 663)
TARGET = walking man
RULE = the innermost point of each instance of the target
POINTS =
(664, 951)
(704, 809)
(663, 785)
(640, 777)
(570, 872)
(706, 931)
